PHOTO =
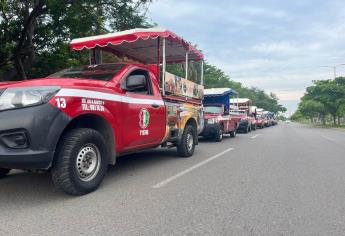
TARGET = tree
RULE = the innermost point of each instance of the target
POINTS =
(214, 77)
(34, 36)
(312, 109)
(35, 31)
(327, 93)
(325, 97)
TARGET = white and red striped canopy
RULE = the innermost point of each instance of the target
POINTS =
(141, 45)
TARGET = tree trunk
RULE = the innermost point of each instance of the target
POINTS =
(339, 120)
(24, 51)
(334, 119)
(322, 116)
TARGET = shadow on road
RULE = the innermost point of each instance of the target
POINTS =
(35, 189)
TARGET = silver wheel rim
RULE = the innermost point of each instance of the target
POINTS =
(221, 134)
(88, 162)
(190, 141)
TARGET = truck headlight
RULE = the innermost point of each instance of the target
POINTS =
(19, 97)
(212, 121)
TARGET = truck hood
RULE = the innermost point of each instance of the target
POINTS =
(62, 82)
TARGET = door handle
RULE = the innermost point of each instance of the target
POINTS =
(155, 105)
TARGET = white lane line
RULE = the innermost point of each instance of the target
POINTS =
(328, 138)
(182, 173)
(255, 136)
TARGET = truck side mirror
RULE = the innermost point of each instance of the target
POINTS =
(134, 82)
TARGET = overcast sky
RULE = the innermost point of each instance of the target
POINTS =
(278, 46)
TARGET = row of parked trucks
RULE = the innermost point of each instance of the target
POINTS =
(226, 115)
(76, 122)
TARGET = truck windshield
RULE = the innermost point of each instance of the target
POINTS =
(213, 109)
(103, 72)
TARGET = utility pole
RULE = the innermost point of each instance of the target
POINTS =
(334, 69)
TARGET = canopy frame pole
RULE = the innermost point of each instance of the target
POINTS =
(238, 107)
(158, 58)
(164, 68)
(202, 73)
(101, 56)
(187, 65)
(93, 56)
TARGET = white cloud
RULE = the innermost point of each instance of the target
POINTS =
(289, 95)
(263, 12)
(276, 46)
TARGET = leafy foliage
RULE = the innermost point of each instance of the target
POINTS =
(216, 78)
(324, 97)
(34, 33)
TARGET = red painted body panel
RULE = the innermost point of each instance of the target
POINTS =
(120, 110)
(252, 120)
(259, 122)
(238, 117)
(227, 121)
(123, 110)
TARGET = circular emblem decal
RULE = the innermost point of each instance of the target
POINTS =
(144, 118)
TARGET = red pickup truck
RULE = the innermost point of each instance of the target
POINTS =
(216, 114)
(243, 120)
(260, 121)
(77, 121)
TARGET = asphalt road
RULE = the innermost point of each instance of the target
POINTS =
(283, 180)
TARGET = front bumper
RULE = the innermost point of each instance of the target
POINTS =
(260, 124)
(42, 126)
(210, 130)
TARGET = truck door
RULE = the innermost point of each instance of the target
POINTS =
(144, 111)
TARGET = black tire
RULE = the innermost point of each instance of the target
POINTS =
(4, 172)
(233, 134)
(219, 135)
(254, 128)
(250, 128)
(246, 130)
(185, 148)
(73, 161)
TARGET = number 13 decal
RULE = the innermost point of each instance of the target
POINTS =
(61, 102)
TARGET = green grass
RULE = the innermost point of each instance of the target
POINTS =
(329, 126)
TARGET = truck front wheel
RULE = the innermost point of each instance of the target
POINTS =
(246, 130)
(187, 144)
(81, 161)
(219, 135)
(233, 133)
(4, 172)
